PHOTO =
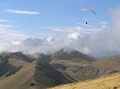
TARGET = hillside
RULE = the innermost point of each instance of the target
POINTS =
(23, 56)
(70, 58)
(72, 55)
(106, 82)
(9, 64)
(110, 63)
(87, 72)
(14, 59)
(82, 67)
(51, 70)
(36, 75)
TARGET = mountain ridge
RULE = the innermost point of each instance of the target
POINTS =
(37, 74)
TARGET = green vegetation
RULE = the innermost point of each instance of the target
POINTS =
(46, 58)
(5, 68)
(12, 71)
(24, 57)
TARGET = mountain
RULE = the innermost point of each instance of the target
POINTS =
(110, 63)
(95, 69)
(81, 73)
(72, 57)
(106, 82)
(21, 71)
(82, 67)
(23, 56)
(36, 75)
(9, 64)
(16, 58)
(74, 63)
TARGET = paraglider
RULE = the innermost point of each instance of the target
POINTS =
(88, 9)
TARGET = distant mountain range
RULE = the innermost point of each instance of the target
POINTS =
(25, 71)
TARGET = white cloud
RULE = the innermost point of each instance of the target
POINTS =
(67, 29)
(103, 23)
(89, 40)
(52, 44)
(96, 41)
(2, 26)
(16, 42)
(22, 12)
(49, 38)
(74, 35)
(59, 29)
(7, 32)
(10, 39)
(2, 20)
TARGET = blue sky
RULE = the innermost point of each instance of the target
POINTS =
(55, 13)
(59, 20)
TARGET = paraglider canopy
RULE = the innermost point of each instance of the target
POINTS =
(88, 9)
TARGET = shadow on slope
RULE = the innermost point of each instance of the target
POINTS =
(36, 75)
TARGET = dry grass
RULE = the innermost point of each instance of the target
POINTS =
(18, 80)
(68, 63)
(17, 62)
(35, 75)
(110, 63)
(108, 82)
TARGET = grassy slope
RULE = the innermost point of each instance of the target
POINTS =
(39, 73)
(110, 63)
(20, 78)
(17, 62)
(108, 82)
(13, 59)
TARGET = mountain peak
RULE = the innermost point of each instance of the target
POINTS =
(71, 54)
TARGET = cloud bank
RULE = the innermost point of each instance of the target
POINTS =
(102, 41)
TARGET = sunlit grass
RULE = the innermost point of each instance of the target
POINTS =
(106, 82)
